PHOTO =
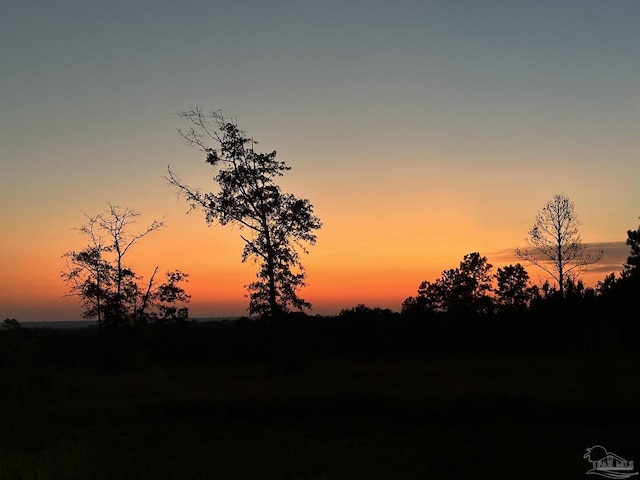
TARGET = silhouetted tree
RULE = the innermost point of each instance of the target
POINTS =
(89, 275)
(169, 295)
(514, 292)
(431, 297)
(548, 291)
(606, 285)
(576, 289)
(555, 243)
(108, 288)
(280, 225)
(410, 305)
(363, 310)
(461, 290)
(624, 291)
(10, 323)
(631, 269)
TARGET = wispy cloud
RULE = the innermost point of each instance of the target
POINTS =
(615, 255)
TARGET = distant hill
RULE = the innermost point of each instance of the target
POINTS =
(60, 324)
(73, 324)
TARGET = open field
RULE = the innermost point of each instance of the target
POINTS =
(455, 416)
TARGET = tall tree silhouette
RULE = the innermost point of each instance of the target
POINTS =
(279, 225)
(555, 244)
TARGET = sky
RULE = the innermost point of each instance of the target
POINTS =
(420, 131)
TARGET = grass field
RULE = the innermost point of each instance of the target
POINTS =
(450, 417)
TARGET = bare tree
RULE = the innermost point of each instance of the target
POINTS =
(116, 224)
(279, 225)
(555, 245)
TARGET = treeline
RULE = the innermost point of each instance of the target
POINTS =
(576, 325)
(467, 310)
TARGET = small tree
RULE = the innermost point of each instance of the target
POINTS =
(607, 285)
(279, 225)
(555, 243)
(10, 323)
(169, 295)
(108, 288)
(514, 292)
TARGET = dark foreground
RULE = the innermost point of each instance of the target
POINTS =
(463, 414)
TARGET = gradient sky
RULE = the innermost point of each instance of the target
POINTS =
(420, 131)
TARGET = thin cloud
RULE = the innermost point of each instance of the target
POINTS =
(615, 256)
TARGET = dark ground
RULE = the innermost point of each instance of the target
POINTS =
(452, 415)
